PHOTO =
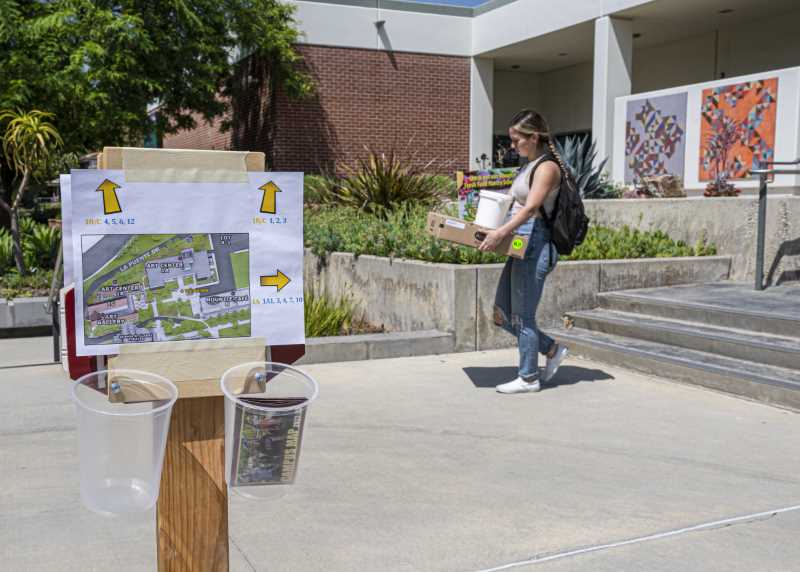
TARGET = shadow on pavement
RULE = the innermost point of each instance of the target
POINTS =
(566, 375)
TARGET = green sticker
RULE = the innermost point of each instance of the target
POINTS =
(517, 244)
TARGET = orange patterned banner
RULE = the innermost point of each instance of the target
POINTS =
(737, 128)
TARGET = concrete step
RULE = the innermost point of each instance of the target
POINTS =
(760, 382)
(377, 346)
(781, 351)
(775, 316)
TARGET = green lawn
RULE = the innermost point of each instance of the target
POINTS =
(184, 308)
(167, 308)
(179, 309)
(106, 329)
(238, 331)
(201, 242)
(241, 268)
(139, 244)
(100, 330)
(229, 317)
(187, 326)
(146, 314)
(160, 294)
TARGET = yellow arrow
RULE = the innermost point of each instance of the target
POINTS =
(280, 280)
(268, 202)
(110, 200)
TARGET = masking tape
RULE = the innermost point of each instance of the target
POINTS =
(183, 165)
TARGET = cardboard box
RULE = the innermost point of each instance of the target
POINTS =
(462, 232)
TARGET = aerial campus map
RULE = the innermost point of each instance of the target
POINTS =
(165, 287)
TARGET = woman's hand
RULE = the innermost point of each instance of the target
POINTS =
(492, 240)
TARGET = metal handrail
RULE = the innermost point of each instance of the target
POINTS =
(764, 173)
(775, 172)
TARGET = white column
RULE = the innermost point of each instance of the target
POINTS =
(613, 57)
(481, 109)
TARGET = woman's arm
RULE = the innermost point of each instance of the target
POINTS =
(546, 177)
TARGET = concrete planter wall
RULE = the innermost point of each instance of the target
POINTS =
(729, 223)
(24, 316)
(403, 295)
(416, 296)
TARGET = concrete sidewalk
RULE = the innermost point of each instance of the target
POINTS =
(416, 464)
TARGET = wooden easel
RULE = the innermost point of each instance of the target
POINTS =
(192, 512)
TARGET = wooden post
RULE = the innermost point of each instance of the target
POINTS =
(192, 513)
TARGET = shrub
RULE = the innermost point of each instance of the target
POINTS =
(26, 226)
(315, 189)
(403, 234)
(327, 316)
(447, 185)
(6, 251)
(37, 283)
(609, 244)
(44, 211)
(40, 245)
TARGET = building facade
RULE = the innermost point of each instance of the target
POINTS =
(444, 81)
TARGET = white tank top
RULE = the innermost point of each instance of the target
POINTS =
(521, 187)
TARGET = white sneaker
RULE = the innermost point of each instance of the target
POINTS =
(519, 385)
(552, 363)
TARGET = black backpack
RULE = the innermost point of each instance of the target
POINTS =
(568, 222)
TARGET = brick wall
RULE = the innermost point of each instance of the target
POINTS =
(413, 102)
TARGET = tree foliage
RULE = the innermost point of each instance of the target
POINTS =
(98, 64)
(29, 144)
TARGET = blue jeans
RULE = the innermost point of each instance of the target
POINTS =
(518, 295)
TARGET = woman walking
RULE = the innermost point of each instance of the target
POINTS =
(522, 281)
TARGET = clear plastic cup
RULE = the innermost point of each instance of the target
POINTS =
(122, 444)
(265, 410)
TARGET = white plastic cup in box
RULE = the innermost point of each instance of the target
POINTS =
(265, 410)
(121, 444)
(492, 209)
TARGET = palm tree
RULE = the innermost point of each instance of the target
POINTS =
(30, 143)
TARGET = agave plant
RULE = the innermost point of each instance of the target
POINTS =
(380, 182)
(579, 154)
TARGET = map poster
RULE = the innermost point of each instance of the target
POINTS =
(174, 261)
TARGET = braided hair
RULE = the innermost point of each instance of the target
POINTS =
(529, 122)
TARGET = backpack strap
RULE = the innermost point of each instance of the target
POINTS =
(548, 220)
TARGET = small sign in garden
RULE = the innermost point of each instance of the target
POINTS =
(470, 183)
(172, 261)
